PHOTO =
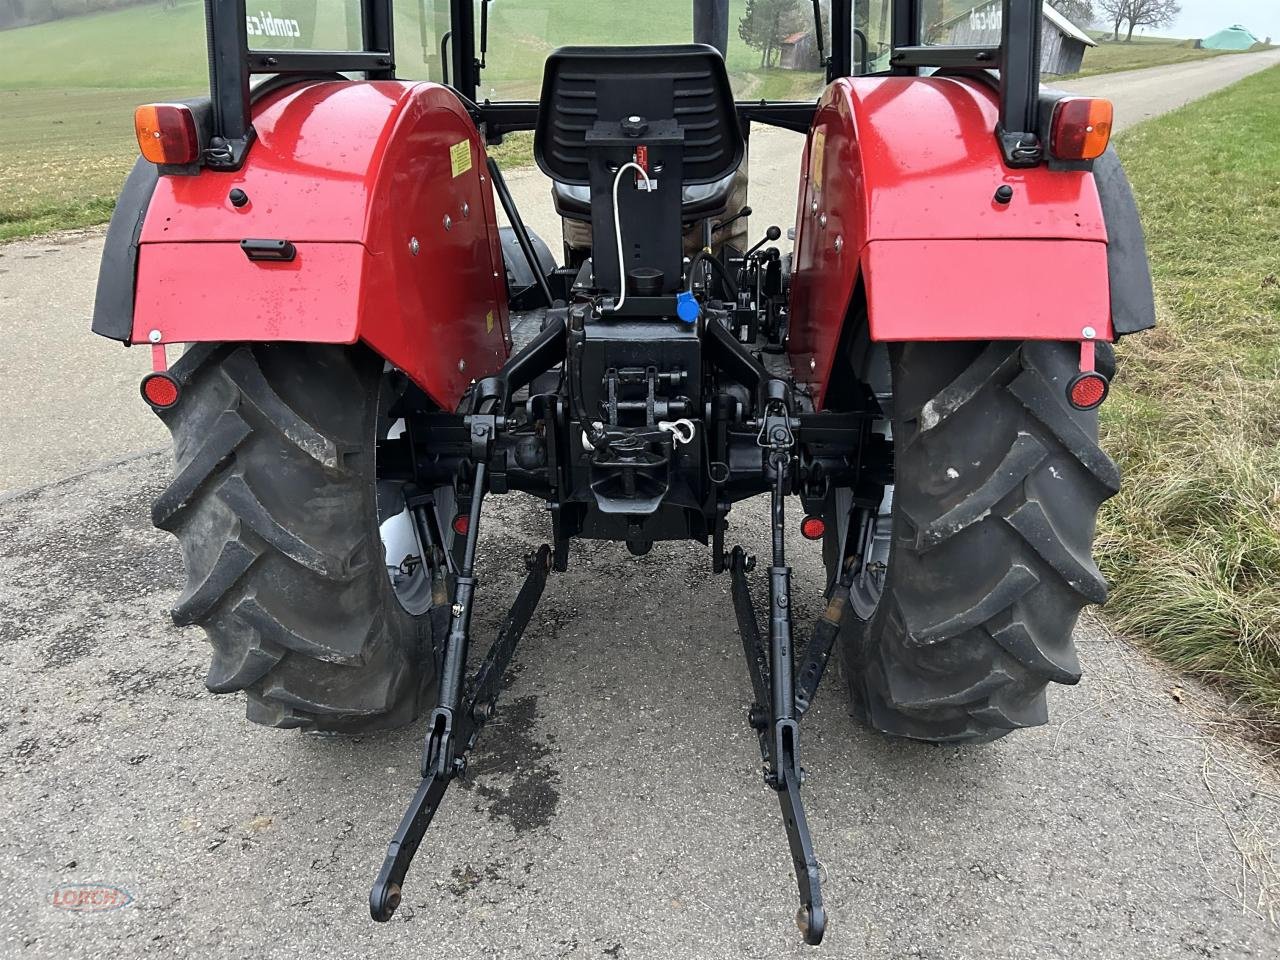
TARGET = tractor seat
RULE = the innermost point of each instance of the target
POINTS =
(687, 82)
(598, 105)
(697, 200)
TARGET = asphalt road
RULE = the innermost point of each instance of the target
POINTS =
(615, 808)
(1142, 94)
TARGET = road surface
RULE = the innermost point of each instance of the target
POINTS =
(1142, 94)
(615, 807)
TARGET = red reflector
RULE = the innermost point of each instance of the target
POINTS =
(1081, 128)
(167, 133)
(1088, 391)
(160, 390)
(812, 528)
(461, 524)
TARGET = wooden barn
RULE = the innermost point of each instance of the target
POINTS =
(799, 52)
(1062, 49)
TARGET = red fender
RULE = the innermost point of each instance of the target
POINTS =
(382, 189)
(898, 191)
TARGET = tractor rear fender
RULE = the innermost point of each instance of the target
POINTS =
(898, 195)
(381, 192)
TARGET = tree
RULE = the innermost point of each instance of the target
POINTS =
(1116, 12)
(1151, 13)
(766, 23)
(1079, 12)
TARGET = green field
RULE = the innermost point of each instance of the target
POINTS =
(1192, 543)
(1110, 56)
(67, 93)
(143, 47)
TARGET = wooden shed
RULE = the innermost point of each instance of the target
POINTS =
(1061, 50)
(799, 52)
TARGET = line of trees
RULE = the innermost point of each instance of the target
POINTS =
(22, 13)
(1138, 13)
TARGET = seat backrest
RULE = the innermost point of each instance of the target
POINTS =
(686, 83)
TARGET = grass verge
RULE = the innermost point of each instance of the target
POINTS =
(1111, 56)
(1192, 543)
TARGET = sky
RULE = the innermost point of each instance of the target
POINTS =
(1200, 18)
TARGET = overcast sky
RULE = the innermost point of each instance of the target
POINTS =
(1202, 17)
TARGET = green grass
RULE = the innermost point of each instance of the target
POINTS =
(67, 93)
(515, 150)
(146, 47)
(1110, 57)
(65, 154)
(1192, 543)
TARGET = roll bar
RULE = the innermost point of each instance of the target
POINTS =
(232, 63)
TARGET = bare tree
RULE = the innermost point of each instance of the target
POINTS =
(1116, 12)
(1151, 13)
(1079, 12)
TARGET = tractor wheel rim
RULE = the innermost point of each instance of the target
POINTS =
(408, 574)
(875, 533)
(407, 569)
(873, 558)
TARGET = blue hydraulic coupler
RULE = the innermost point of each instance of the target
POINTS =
(687, 308)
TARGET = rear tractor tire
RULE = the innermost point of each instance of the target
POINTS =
(274, 504)
(987, 528)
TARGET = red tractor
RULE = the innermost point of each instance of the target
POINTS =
(369, 355)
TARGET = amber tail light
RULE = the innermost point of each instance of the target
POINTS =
(1081, 128)
(167, 133)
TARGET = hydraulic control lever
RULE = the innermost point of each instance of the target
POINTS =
(744, 212)
(455, 725)
(770, 235)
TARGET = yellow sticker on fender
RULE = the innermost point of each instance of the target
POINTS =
(817, 157)
(460, 157)
(488, 322)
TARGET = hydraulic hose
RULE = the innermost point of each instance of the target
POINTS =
(706, 256)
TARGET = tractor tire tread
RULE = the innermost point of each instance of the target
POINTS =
(273, 503)
(992, 564)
